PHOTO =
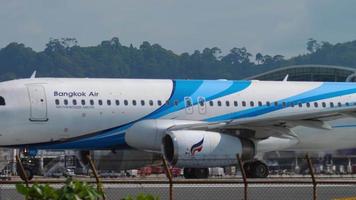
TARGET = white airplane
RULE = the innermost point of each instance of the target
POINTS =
(195, 124)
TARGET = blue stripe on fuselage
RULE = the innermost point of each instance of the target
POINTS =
(325, 91)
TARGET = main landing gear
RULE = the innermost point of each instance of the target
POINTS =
(255, 169)
(195, 173)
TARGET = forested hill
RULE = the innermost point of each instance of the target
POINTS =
(65, 58)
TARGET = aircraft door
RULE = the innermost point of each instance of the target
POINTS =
(188, 105)
(38, 103)
(202, 107)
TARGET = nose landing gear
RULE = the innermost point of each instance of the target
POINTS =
(28, 165)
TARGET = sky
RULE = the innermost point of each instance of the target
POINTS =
(267, 26)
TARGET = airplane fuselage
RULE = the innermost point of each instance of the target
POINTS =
(58, 113)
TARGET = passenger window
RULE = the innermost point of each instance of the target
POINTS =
(74, 102)
(276, 103)
(100, 102)
(315, 104)
(134, 102)
(142, 102)
(159, 102)
(57, 101)
(117, 102)
(268, 103)
(284, 104)
(259, 103)
(252, 104)
(227, 103)
(108, 102)
(235, 103)
(211, 103)
(347, 104)
(167, 102)
(151, 103)
(292, 104)
(219, 103)
(91, 102)
(331, 104)
(83, 102)
(339, 104)
(65, 102)
(201, 101)
(308, 105)
(2, 101)
(243, 103)
(300, 104)
(323, 104)
(126, 102)
(176, 102)
(188, 102)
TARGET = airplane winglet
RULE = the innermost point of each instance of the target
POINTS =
(33, 74)
(286, 77)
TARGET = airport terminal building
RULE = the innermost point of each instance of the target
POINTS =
(327, 73)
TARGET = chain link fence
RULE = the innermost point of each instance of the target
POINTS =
(308, 184)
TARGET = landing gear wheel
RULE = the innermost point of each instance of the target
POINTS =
(198, 173)
(188, 173)
(256, 169)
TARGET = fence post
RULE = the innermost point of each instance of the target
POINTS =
(311, 169)
(98, 182)
(243, 175)
(169, 176)
(22, 169)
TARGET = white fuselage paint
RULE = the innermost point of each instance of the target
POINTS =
(22, 124)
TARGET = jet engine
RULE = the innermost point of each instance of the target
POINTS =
(201, 149)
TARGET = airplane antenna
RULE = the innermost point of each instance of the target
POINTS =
(33, 74)
(286, 77)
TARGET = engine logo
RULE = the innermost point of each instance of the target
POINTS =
(197, 147)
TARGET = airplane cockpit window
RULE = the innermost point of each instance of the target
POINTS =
(2, 101)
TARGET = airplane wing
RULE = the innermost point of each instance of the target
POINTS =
(273, 126)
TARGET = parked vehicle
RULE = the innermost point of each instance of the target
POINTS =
(109, 174)
(5, 175)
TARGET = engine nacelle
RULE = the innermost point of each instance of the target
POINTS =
(192, 148)
(146, 135)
